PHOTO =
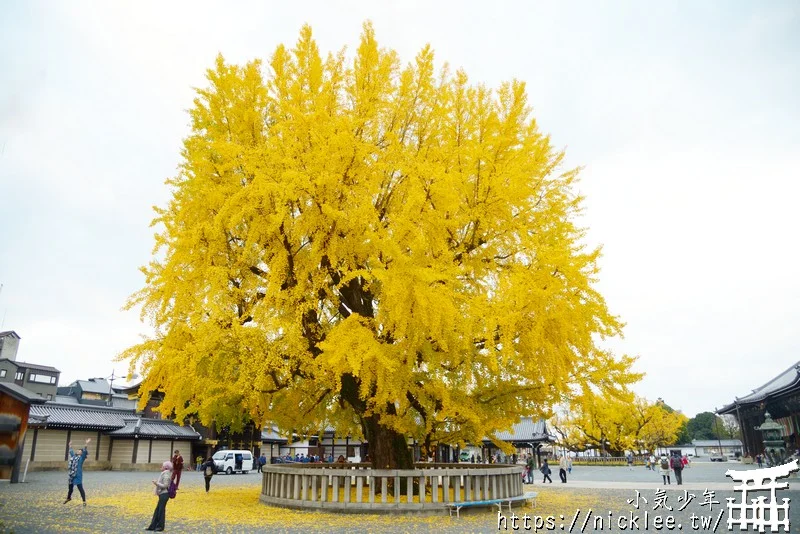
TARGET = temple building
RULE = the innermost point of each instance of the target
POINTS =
(781, 398)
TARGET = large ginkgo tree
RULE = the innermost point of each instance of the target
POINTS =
(383, 249)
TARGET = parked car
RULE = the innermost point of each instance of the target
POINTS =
(718, 458)
(230, 462)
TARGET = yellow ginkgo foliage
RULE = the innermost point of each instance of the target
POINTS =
(616, 424)
(387, 250)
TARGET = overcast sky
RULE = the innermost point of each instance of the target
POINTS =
(684, 114)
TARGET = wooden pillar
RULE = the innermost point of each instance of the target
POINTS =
(150, 453)
(33, 444)
(135, 450)
(97, 446)
(110, 448)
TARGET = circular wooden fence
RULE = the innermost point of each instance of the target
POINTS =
(359, 488)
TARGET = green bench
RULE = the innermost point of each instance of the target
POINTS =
(529, 496)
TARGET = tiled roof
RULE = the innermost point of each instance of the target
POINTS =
(787, 380)
(20, 393)
(77, 416)
(128, 387)
(37, 367)
(6, 333)
(154, 428)
(95, 385)
(37, 420)
(120, 402)
(716, 443)
(526, 430)
(271, 435)
(120, 422)
(66, 399)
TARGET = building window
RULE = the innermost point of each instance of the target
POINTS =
(2, 373)
(41, 379)
(20, 375)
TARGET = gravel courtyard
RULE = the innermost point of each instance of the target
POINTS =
(124, 501)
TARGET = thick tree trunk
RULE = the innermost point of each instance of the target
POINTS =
(387, 448)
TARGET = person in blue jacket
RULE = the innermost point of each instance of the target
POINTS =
(75, 470)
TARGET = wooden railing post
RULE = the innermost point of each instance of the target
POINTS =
(335, 489)
(372, 489)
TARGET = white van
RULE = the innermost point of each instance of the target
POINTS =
(230, 461)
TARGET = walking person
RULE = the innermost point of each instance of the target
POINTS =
(545, 469)
(569, 465)
(177, 467)
(562, 468)
(209, 468)
(664, 465)
(162, 491)
(75, 470)
(759, 461)
(630, 461)
(262, 461)
(531, 464)
(677, 468)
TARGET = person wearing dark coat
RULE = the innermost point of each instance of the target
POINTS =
(545, 469)
(208, 468)
(75, 470)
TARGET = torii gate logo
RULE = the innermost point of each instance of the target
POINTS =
(760, 513)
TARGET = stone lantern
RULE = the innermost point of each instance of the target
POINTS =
(772, 436)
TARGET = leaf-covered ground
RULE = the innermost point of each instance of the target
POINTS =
(124, 502)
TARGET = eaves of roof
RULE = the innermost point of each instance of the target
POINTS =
(20, 393)
(26, 365)
(76, 416)
(155, 429)
(787, 381)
